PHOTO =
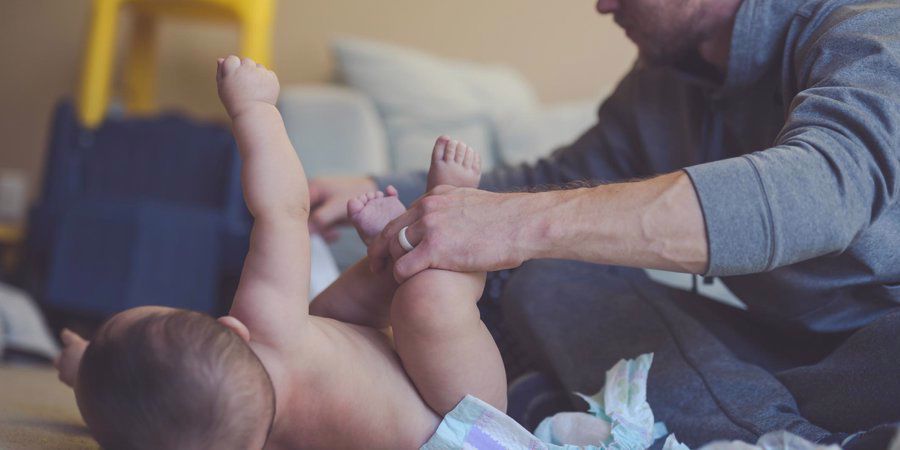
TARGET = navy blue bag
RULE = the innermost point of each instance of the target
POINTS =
(137, 212)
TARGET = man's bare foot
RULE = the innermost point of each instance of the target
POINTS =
(454, 163)
(371, 212)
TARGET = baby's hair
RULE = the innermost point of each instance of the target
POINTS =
(173, 380)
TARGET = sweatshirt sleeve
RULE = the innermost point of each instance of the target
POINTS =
(833, 169)
(605, 152)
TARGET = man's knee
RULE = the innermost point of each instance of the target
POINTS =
(542, 287)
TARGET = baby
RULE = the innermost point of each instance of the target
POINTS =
(278, 371)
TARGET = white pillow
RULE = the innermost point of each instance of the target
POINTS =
(421, 96)
(529, 137)
(502, 91)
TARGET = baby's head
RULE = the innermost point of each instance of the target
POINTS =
(156, 377)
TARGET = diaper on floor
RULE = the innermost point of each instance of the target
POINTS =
(619, 419)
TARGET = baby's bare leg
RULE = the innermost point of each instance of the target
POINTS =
(445, 348)
(358, 296)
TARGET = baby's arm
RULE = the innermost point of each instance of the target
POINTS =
(69, 360)
(271, 298)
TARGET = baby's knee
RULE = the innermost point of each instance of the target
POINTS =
(434, 302)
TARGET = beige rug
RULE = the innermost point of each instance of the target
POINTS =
(39, 412)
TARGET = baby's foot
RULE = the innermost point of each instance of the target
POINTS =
(454, 163)
(243, 82)
(371, 212)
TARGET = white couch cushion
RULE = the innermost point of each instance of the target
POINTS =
(420, 96)
(335, 130)
(533, 135)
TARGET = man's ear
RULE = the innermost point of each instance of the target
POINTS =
(236, 326)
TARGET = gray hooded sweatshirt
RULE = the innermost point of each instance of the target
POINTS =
(794, 155)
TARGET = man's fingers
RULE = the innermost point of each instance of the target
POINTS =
(415, 233)
(381, 248)
(412, 263)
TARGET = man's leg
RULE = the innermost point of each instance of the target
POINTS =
(857, 386)
(582, 318)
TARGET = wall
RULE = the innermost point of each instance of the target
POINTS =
(564, 47)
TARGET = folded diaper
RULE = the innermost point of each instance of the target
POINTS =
(619, 419)
(776, 440)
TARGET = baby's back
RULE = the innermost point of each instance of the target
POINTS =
(351, 393)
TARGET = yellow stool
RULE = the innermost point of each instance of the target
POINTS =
(253, 16)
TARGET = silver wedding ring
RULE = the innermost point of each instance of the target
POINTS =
(404, 242)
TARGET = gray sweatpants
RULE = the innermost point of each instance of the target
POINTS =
(718, 372)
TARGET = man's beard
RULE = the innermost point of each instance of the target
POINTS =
(669, 53)
(661, 45)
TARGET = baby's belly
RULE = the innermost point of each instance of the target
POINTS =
(365, 372)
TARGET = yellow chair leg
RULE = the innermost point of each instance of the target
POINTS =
(141, 65)
(256, 32)
(253, 16)
(97, 69)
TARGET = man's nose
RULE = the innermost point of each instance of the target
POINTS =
(607, 6)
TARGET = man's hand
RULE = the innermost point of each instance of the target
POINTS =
(459, 229)
(329, 196)
(69, 360)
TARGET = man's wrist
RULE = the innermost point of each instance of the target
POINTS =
(544, 230)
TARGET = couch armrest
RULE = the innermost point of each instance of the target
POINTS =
(335, 130)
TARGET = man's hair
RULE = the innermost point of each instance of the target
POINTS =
(173, 380)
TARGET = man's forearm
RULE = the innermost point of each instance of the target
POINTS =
(654, 224)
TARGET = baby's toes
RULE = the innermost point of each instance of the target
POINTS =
(469, 158)
(440, 147)
(354, 206)
(461, 151)
(230, 64)
(450, 151)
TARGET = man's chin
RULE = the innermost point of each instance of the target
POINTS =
(668, 57)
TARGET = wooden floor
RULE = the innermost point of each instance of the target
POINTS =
(39, 412)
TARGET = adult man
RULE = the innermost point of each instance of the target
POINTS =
(777, 126)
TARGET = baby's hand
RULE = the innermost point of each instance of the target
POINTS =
(243, 83)
(69, 360)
